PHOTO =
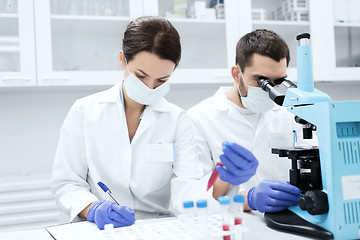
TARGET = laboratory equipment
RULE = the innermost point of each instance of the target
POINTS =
(201, 208)
(238, 212)
(327, 175)
(226, 215)
(202, 218)
(188, 209)
(213, 176)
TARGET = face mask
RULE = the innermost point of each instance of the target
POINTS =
(257, 100)
(140, 93)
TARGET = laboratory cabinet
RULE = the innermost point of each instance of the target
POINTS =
(17, 43)
(76, 42)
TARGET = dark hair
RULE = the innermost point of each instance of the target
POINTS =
(153, 34)
(263, 42)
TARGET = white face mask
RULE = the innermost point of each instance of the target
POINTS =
(140, 93)
(257, 100)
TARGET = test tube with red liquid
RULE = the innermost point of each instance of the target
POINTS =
(226, 215)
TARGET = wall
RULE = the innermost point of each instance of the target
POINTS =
(30, 119)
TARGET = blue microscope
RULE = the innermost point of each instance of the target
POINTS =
(328, 175)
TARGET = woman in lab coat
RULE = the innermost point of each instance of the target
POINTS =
(130, 138)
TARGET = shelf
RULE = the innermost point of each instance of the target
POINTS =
(199, 27)
(92, 18)
(89, 25)
(282, 23)
(9, 15)
(337, 24)
(193, 20)
(9, 49)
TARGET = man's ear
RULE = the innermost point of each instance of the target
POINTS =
(235, 73)
(122, 59)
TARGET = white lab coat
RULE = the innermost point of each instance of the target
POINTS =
(94, 146)
(216, 120)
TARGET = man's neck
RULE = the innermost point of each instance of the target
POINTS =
(233, 95)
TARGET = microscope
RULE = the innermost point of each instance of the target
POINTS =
(328, 175)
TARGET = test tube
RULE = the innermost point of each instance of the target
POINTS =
(189, 209)
(201, 208)
(202, 214)
(238, 211)
(226, 216)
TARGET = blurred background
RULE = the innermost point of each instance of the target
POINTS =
(53, 52)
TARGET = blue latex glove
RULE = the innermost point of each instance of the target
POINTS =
(239, 164)
(272, 196)
(106, 212)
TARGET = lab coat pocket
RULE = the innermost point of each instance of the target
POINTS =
(160, 153)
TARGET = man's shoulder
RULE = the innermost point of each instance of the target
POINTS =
(204, 107)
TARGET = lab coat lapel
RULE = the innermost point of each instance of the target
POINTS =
(148, 118)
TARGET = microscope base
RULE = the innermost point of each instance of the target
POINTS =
(288, 221)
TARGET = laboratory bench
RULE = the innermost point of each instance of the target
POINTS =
(254, 223)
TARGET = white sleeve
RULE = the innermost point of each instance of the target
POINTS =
(70, 167)
(189, 181)
(205, 159)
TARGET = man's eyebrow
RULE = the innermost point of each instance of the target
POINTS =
(261, 76)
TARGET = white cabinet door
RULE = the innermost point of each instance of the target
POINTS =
(17, 43)
(208, 37)
(346, 22)
(78, 42)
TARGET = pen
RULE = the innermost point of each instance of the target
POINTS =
(107, 190)
(213, 176)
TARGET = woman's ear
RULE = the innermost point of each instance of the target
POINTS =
(235, 73)
(122, 59)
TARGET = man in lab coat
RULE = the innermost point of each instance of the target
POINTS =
(245, 114)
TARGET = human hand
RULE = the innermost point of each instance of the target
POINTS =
(240, 164)
(106, 212)
(272, 196)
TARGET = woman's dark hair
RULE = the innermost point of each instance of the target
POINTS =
(153, 34)
(263, 42)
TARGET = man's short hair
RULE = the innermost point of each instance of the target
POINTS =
(264, 42)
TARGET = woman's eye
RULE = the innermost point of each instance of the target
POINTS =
(161, 81)
(140, 76)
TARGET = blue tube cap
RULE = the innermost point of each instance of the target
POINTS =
(188, 204)
(201, 203)
(223, 200)
(238, 198)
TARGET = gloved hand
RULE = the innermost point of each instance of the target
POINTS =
(106, 212)
(240, 164)
(272, 196)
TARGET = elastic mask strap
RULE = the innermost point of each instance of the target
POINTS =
(242, 79)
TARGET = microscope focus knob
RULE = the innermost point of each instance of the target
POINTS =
(315, 202)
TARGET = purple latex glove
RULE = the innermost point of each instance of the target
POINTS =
(106, 212)
(239, 164)
(273, 196)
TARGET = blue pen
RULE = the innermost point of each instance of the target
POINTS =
(107, 190)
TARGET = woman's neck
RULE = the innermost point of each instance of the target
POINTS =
(132, 107)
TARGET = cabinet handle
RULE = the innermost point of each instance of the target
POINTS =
(58, 79)
(16, 79)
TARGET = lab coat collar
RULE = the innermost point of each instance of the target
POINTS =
(112, 95)
(221, 101)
